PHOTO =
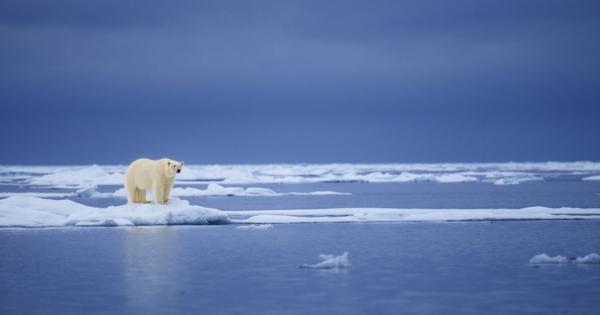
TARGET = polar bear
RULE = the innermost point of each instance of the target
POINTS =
(158, 175)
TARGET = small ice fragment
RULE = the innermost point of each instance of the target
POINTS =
(330, 262)
(86, 192)
(545, 259)
(255, 227)
(592, 258)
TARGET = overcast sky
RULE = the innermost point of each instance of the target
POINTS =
(299, 81)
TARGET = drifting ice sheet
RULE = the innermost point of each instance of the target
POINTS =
(213, 190)
(342, 215)
(37, 212)
(330, 262)
(545, 259)
(216, 190)
(256, 227)
(592, 258)
(496, 173)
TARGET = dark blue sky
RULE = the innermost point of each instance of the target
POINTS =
(299, 81)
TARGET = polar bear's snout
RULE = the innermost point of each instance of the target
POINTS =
(179, 170)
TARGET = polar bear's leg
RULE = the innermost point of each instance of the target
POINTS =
(166, 194)
(142, 196)
(131, 194)
(168, 187)
(157, 193)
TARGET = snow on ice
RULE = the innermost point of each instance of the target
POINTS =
(330, 262)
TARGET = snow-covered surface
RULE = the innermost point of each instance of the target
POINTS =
(77, 176)
(39, 194)
(545, 259)
(330, 262)
(216, 190)
(37, 212)
(592, 258)
(85, 192)
(495, 173)
(256, 227)
(212, 190)
(342, 215)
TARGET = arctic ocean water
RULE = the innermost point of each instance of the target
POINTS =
(467, 267)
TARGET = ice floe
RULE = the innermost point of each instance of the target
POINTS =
(216, 190)
(255, 227)
(592, 258)
(40, 194)
(495, 173)
(330, 262)
(343, 215)
(212, 190)
(80, 177)
(545, 259)
(38, 212)
(85, 192)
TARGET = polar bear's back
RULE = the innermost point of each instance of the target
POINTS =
(140, 173)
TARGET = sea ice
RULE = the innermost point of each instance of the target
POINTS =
(38, 212)
(545, 259)
(216, 190)
(343, 215)
(255, 227)
(330, 262)
(515, 180)
(80, 177)
(592, 258)
(40, 194)
(496, 173)
(87, 192)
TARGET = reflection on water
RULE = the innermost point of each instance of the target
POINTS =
(152, 274)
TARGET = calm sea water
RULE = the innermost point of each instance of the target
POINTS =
(399, 268)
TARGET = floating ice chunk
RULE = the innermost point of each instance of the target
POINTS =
(79, 177)
(37, 212)
(216, 190)
(255, 227)
(259, 191)
(592, 258)
(86, 192)
(517, 180)
(330, 262)
(107, 222)
(545, 259)
(41, 194)
(342, 215)
(318, 193)
(455, 178)
(499, 173)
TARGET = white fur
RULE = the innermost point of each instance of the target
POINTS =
(157, 175)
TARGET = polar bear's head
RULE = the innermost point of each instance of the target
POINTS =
(171, 167)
